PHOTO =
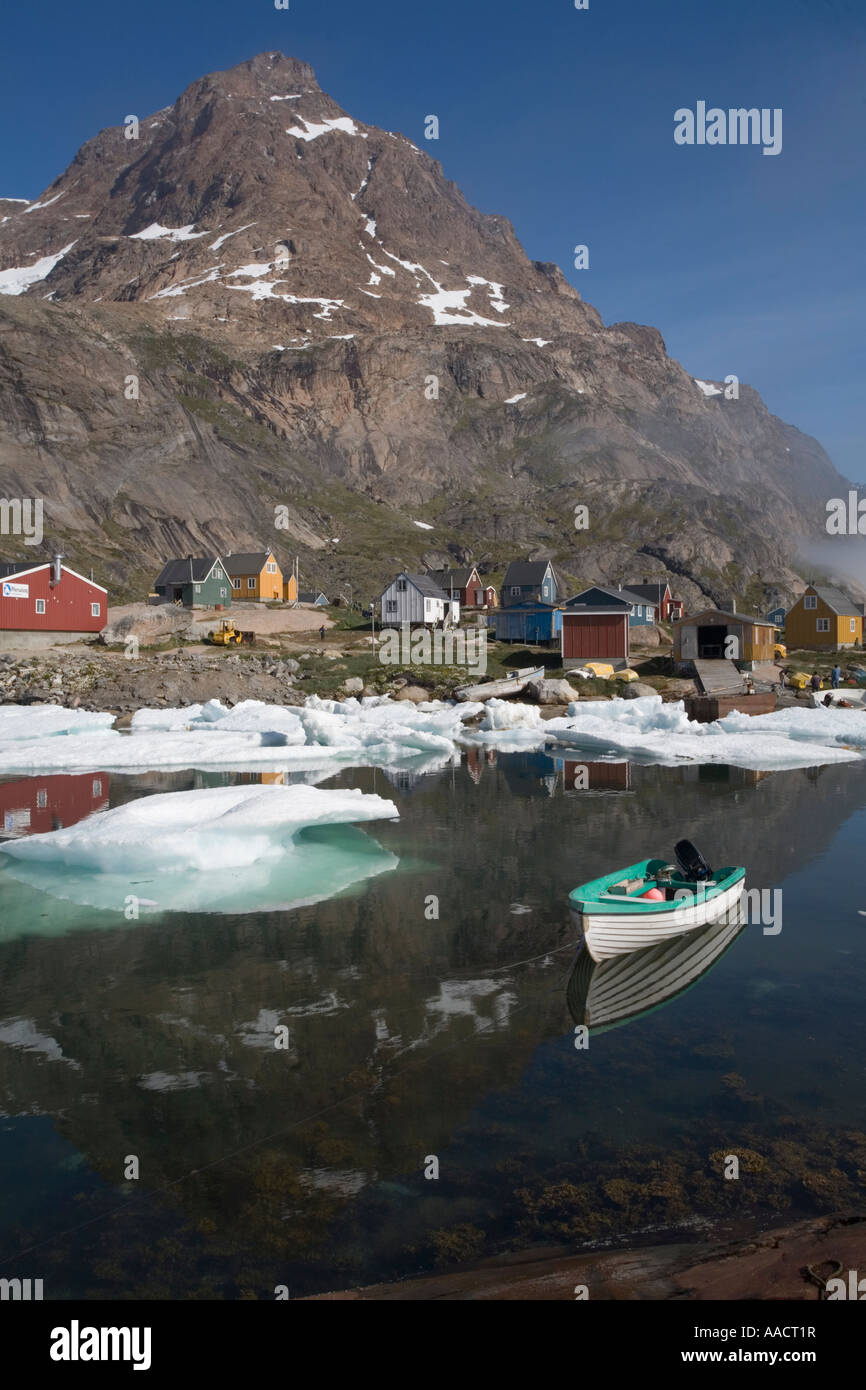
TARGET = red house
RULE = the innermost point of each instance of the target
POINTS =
(668, 608)
(48, 600)
(34, 805)
(466, 585)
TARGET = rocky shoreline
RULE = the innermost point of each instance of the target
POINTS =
(787, 1262)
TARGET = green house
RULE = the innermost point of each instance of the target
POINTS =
(196, 583)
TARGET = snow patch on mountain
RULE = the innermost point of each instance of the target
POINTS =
(156, 231)
(19, 278)
(314, 131)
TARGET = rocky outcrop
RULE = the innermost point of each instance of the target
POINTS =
(268, 322)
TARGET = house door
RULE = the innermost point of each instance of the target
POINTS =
(711, 641)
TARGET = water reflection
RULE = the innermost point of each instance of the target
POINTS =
(605, 994)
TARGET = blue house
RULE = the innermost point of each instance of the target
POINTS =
(529, 579)
(643, 613)
(529, 621)
(776, 616)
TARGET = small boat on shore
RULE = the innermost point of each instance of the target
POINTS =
(513, 684)
(652, 901)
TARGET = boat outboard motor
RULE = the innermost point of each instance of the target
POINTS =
(692, 863)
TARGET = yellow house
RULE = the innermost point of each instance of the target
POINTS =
(823, 618)
(255, 577)
(290, 588)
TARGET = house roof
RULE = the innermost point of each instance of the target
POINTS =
(523, 572)
(528, 605)
(459, 578)
(424, 583)
(9, 569)
(630, 596)
(839, 602)
(654, 592)
(617, 597)
(247, 562)
(178, 571)
(722, 613)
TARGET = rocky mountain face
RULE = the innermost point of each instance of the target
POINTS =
(253, 320)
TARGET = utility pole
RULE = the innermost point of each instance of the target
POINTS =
(373, 630)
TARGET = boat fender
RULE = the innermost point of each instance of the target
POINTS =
(654, 895)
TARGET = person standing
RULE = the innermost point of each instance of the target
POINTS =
(836, 676)
(322, 633)
(815, 681)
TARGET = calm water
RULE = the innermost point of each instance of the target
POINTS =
(415, 1037)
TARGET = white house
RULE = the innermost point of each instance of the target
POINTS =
(414, 598)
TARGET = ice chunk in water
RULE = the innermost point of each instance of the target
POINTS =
(225, 849)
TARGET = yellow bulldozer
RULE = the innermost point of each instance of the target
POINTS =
(227, 635)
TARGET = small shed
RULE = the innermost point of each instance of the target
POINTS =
(532, 622)
(313, 596)
(714, 635)
(776, 616)
(595, 627)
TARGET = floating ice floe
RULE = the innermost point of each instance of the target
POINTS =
(43, 721)
(223, 849)
(377, 731)
(647, 730)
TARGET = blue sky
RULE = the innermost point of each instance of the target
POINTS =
(562, 121)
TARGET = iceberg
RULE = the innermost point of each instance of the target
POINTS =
(223, 849)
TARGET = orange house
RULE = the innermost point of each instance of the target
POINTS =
(823, 618)
(255, 577)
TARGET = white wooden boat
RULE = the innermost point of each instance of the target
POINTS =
(512, 685)
(650, 902)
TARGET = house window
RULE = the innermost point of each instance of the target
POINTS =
(94, 610)
(810, 601)
(401, 586)
(853, 624)
(223, 593)
(198, 588)
(822, 624)
(40, 605)
(251, 582)
(236, 583)
(41, 800)
(515, 590)
(391, 605)
(97, 787)
(270, 567)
